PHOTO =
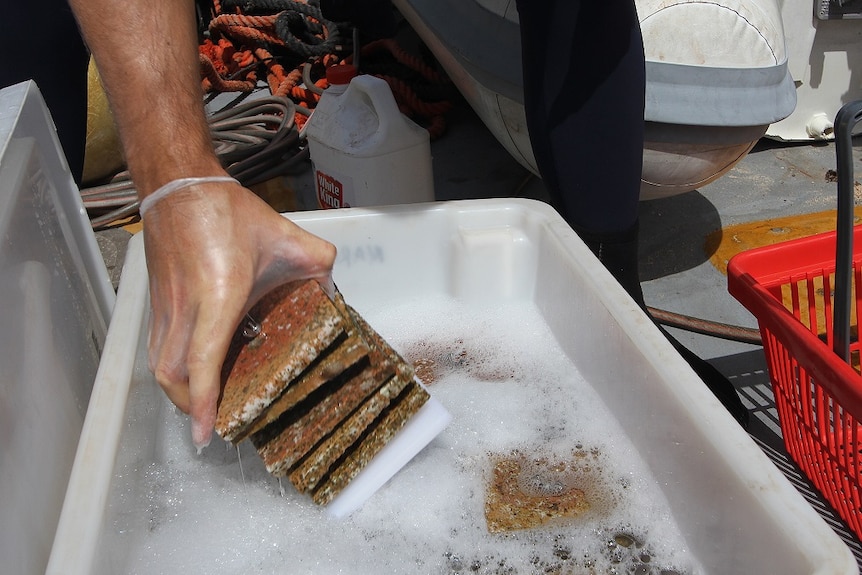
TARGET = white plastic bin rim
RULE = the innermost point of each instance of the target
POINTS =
(738, 512)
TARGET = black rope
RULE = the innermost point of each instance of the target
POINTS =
(299, 25)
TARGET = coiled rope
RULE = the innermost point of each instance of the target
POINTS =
(256, 140)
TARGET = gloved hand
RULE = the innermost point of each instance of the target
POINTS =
(212, 251)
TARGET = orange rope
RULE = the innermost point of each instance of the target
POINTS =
(224, 21)
(429, 114)
(242, 54)
(213, 81)
(410, 60)
(234, 62)
(407, 96)
(250, 35)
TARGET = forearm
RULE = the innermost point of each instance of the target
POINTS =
(147, 56)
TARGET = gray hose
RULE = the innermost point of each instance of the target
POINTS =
(255, 140)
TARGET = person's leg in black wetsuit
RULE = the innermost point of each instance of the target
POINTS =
(584, 90)
(584, 84)
(43, 44)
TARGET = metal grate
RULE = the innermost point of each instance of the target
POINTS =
(751, 381)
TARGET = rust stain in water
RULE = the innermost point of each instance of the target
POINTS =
(527, 491)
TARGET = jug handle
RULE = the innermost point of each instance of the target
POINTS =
(382, 100)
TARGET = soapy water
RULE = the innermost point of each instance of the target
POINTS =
(510, 389)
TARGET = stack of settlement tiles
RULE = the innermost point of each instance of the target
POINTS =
(318, 391)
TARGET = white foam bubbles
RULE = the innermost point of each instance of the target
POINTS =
(509, 388)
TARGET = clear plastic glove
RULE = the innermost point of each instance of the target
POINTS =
(212, 251)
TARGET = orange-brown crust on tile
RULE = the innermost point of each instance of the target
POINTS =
(391, 421)
(324, 376)
(397, 375)
(319, 393)
(281, 450)
(298, 437)
(396, 402)
(524, 494)
(298, 322)
(316, 464)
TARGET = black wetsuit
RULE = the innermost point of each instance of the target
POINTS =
(584, 93)
(584, 84)
(42, 43)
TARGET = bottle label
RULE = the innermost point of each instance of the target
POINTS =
(330, 190)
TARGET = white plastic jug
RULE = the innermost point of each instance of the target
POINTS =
(364, 151)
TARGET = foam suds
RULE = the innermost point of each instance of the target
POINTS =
(510, 390)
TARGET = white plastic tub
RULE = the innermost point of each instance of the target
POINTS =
(56, 303)
(737, 512)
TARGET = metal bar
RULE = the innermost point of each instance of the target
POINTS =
(846, 119)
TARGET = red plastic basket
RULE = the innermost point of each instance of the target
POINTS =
(788, 287)
(808, 322)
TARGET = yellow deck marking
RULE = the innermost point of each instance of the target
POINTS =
(723, 244)
(134, 227)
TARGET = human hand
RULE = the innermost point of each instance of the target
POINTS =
(213, 249)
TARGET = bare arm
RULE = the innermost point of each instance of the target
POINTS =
(148, 60)
(212, 249)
